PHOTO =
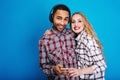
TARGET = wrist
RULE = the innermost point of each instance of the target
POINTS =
(81, 71)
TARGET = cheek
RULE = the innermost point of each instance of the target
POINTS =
(83, 25)
(56, 21)
(66, 22)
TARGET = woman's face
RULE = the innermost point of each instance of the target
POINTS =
(77, 24)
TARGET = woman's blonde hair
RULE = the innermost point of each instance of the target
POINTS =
(88, 28)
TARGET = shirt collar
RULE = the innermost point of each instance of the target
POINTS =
(80, 35)
(59, 33)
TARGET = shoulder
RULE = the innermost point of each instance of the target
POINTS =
(91, 43)
(91, 39)
(87, 39)
(44, 39)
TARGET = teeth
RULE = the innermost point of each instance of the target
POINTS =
(76, 28)
(61, 26)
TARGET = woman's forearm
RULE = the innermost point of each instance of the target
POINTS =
(88, 70)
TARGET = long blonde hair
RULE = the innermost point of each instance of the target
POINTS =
(88, 28)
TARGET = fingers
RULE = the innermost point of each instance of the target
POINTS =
(57, 69)
(64, 72)
(60, 66)
(48, 32)
(73, 75)
(73, 72)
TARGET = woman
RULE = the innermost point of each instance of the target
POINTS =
(91, 64)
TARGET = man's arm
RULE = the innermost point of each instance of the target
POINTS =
(45, 64)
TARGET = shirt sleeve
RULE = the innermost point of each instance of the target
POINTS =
(97, 56)
(45, 64)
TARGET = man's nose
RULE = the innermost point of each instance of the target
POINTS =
(62, 22)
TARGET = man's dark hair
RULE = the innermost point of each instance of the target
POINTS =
(58, 7)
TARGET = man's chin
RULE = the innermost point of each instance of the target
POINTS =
(60, 30)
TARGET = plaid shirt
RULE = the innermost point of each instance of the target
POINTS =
(57, 48)
(89, 54)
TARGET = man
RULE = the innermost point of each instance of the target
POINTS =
(57, 49)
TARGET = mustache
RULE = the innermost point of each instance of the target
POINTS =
(61, 25)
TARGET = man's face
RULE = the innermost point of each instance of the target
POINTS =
(60, 20)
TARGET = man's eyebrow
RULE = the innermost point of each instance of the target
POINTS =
(66, 17)
(61, 17)
(58, 16)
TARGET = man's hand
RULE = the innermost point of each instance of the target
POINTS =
(58, 70)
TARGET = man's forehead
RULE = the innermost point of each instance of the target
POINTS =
(61, 13)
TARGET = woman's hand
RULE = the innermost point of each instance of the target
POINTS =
(73, 72)
(48, 32)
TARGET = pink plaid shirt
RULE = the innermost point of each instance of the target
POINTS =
(57, 48)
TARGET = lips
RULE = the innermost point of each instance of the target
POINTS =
(76, 28)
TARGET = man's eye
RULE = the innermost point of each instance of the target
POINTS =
(66, 19)
(58, 18)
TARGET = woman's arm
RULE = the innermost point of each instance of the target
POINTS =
(73, 72)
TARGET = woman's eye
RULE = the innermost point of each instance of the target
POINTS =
(80, 21)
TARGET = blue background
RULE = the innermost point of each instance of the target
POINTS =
(23, 22)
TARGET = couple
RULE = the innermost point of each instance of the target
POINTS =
(74, 54)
